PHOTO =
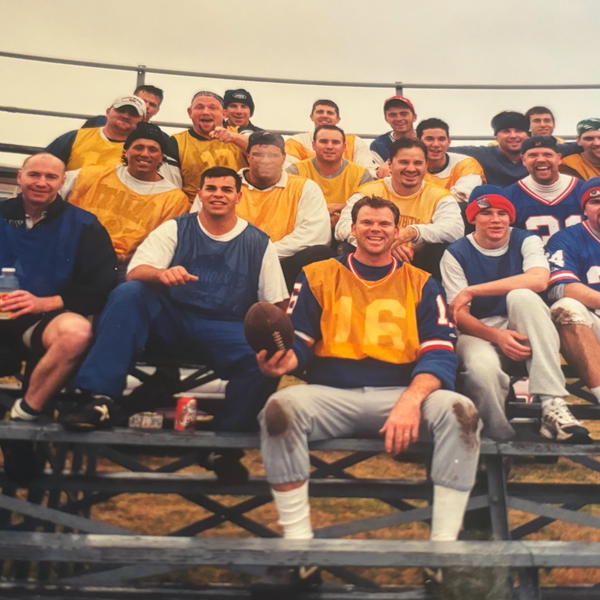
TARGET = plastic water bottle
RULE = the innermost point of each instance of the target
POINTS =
(8, 283)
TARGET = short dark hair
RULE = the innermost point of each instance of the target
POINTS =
(539, 110)
(265, 138)
(510, 119)
(433, 123)
(375, 202)
(325, 102)
(151, 89)
(403, 143)
(214, 172)
(330, 127)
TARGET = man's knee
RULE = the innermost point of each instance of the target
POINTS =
(522, 300)
(458, 412)
(69, 331)
(275, 418)
(279, 413)
(467, 417)
(129, 291)
(568, 311)
(479, 369)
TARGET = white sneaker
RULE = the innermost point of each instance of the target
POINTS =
(558, 423)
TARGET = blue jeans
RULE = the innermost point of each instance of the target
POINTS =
(137, 313)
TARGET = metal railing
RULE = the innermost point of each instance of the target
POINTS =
(141, 71)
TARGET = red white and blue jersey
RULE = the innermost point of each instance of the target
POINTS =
(574, 256)
(545, 214)
(358, 325)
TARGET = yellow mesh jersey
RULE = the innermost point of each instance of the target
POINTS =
(195, 156)
(91, 148)
(335, 189)
(273, 210)
(361, 318)
(301, 152)
(584, 168)
(416, 208)
(466, 166)
(127, 215)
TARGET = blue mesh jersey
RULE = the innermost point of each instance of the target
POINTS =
(358, 325)
(542, 216)
(228, 272)
(480, 268)
(574, 256)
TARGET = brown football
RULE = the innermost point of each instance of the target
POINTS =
(268, 328)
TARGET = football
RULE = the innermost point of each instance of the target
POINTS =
(268, 328)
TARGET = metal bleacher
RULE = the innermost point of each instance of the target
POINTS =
(54, 546)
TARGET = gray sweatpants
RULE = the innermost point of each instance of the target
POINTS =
(295, 415)
(482, 378)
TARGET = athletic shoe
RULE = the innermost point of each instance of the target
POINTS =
(225, 464)
(433, 580)
(559, 424)
(95, 414)
(285, 583)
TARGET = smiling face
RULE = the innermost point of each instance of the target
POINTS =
(375, 232)
(324, 114)
(143, 158)
(40, 179)
(492, 227)
(592, 212)
(219, 197)
(401, 119)
(510, 140)
(238, 114)
(120, 122)
(206, 113)
(541, 124)
(408, 167)
(590, 142)
(329, 146)
(542, 164)
(437, 142)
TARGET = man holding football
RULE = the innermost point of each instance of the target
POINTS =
(374, 341)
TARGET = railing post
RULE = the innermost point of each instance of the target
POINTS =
(399, 88)
(141, 75)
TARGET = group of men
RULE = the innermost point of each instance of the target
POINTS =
(196, 227)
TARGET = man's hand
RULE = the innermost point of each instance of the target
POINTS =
(177, 275)
(222, 134)
(401, 428)
(21, 302)
(403, 252)
(513, 344)
(383, 170)
(462, 299)
(280, 363)
(335, 209)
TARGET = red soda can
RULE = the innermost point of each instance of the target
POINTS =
(185, 413)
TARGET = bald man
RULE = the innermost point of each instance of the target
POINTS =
(66, 266)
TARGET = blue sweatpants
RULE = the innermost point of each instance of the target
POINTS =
(137, 312)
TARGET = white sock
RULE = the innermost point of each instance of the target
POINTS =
(596, 393)
(448, 511)
(18, 413)
(294, 512)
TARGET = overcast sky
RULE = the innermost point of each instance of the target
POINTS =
(463, 41)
